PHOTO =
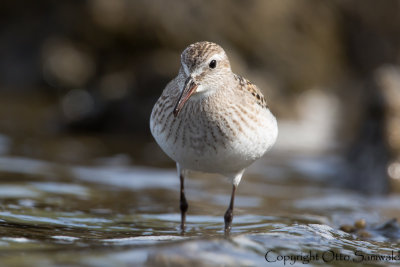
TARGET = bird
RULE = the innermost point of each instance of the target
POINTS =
(211, 120)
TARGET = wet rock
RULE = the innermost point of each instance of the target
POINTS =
(364, 234)
(360, 224)
(347, 228)
(389, 230)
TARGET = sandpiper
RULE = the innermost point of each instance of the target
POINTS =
(209, 119)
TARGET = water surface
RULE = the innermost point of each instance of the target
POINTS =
(115, 213)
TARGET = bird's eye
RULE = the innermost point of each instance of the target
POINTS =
(213, 64)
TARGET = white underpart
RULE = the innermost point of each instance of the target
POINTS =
(237, 178)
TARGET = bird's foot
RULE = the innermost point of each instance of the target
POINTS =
(228, 217)
(184, 207)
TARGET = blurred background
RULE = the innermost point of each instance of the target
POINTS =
(82, 182)
(78, 79)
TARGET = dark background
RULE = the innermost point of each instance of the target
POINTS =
(78, 79)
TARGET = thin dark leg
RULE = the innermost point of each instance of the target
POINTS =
(229, 212)
(183, 203)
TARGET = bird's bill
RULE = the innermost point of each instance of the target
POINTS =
(188, 90)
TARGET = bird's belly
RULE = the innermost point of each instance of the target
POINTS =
(212, 150)
(220, 159)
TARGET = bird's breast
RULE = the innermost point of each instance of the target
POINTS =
(214, 139)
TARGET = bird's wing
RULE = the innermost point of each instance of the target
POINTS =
(252, 89)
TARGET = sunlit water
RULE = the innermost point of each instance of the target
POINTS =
(123, 215)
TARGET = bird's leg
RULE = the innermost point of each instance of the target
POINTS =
(229, 212)
(183, 203)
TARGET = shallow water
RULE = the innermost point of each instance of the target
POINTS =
(115, 213)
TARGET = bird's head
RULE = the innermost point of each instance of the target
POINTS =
(204, 65)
